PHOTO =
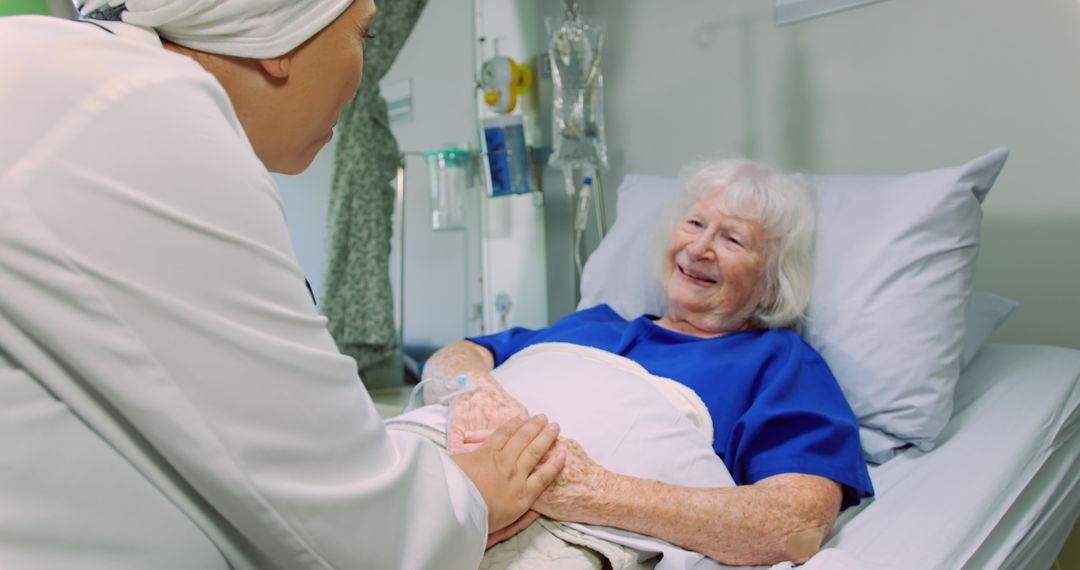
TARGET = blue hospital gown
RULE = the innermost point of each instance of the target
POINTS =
(775, 405)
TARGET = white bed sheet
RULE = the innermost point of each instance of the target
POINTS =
(1003, 487)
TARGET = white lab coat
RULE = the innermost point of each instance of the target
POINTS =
(169, 395)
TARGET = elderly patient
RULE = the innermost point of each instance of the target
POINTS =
(736, 273)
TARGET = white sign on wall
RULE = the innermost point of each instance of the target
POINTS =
(399, 100)
(788, 11)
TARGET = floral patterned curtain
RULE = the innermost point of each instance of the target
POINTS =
(357, 298)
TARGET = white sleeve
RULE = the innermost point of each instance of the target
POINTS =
(157, 208)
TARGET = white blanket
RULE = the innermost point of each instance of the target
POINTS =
(630, 422)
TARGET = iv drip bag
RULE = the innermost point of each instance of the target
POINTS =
(578, 111)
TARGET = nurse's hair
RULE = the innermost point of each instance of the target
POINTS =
(782, 205)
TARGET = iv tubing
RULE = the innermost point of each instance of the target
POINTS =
(461, 382)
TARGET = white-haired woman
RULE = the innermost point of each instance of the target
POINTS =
(169, 396)
(737, 274)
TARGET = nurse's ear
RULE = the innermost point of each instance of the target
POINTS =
(278, 67)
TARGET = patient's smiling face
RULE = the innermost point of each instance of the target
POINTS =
(714, 270)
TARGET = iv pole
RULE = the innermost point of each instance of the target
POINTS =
(571, 13)
(400, 191)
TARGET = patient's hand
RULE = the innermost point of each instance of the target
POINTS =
(512, 468)
(573, 496)
(476, 414)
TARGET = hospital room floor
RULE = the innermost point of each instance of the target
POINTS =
(390, 401)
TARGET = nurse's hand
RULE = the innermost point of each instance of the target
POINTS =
(479, 412)
(515, 527)
(508, 469)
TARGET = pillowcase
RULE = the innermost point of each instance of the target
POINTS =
(894, 262)
(985, 313)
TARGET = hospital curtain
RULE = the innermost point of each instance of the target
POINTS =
(357, 298)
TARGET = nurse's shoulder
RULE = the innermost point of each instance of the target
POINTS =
(67, 66)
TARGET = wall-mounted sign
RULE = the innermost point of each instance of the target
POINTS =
(399, 100)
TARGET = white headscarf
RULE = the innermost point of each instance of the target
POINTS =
(243, 28)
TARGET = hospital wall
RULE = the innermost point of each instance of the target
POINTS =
(443, 268)
(437, 59)
(891, 87)
(437, 277)
(439, 272)
(453, 276)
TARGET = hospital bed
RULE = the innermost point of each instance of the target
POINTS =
(1002, 488)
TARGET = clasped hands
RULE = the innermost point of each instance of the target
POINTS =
(483, 417)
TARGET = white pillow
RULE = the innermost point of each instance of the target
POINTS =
(879, 447)
(894, 260)
(985, 313)
(622, 271)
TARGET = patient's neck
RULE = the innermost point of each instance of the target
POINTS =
(695, 327)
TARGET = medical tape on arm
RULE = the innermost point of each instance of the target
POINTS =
(802, 545)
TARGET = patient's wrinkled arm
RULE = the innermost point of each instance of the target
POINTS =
(476, 413)
(461, 357)
(784, 517)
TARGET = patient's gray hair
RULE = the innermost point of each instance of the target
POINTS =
(782, 205)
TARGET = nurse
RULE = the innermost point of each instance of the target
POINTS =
(169, 396)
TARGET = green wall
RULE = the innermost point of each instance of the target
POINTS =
(12, 7)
